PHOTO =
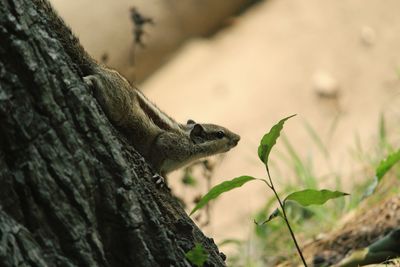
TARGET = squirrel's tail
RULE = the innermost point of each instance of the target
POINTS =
(58, 28)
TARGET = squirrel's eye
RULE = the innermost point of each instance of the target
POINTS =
(220, 134)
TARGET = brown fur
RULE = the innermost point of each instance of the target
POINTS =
(166, 144)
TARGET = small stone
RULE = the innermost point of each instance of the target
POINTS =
(368, 36)
(325, 85)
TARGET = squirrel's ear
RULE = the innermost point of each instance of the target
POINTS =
(196, 131)
(191, 122)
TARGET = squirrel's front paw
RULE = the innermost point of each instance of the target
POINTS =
(159, 180)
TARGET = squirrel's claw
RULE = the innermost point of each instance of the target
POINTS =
(159, 180)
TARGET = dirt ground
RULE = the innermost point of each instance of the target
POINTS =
(270, 64)
(331, 62)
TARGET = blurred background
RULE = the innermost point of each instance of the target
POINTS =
(246, 64)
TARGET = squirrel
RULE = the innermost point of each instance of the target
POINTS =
(166, 144)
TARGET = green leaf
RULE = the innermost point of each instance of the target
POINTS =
(269, 140)
(386, 164)
(221, 188)
(197, 255)
(383, 167)
(276, 213)
(313, 197)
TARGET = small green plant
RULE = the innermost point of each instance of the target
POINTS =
(304, 197)
(197, 255)
(386, 164)
(383, 167)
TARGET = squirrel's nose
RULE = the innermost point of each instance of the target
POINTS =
(236, 139)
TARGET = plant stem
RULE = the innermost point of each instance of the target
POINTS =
(271, 185)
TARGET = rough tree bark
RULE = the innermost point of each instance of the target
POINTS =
(72, 193)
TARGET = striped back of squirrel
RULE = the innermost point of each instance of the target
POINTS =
(159, 118)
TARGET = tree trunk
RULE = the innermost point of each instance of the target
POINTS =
(72, 192)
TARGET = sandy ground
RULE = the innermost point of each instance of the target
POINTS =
(106, 28)
(266, 66)
(272, 62)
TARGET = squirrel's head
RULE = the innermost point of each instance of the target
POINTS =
(218, 137)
